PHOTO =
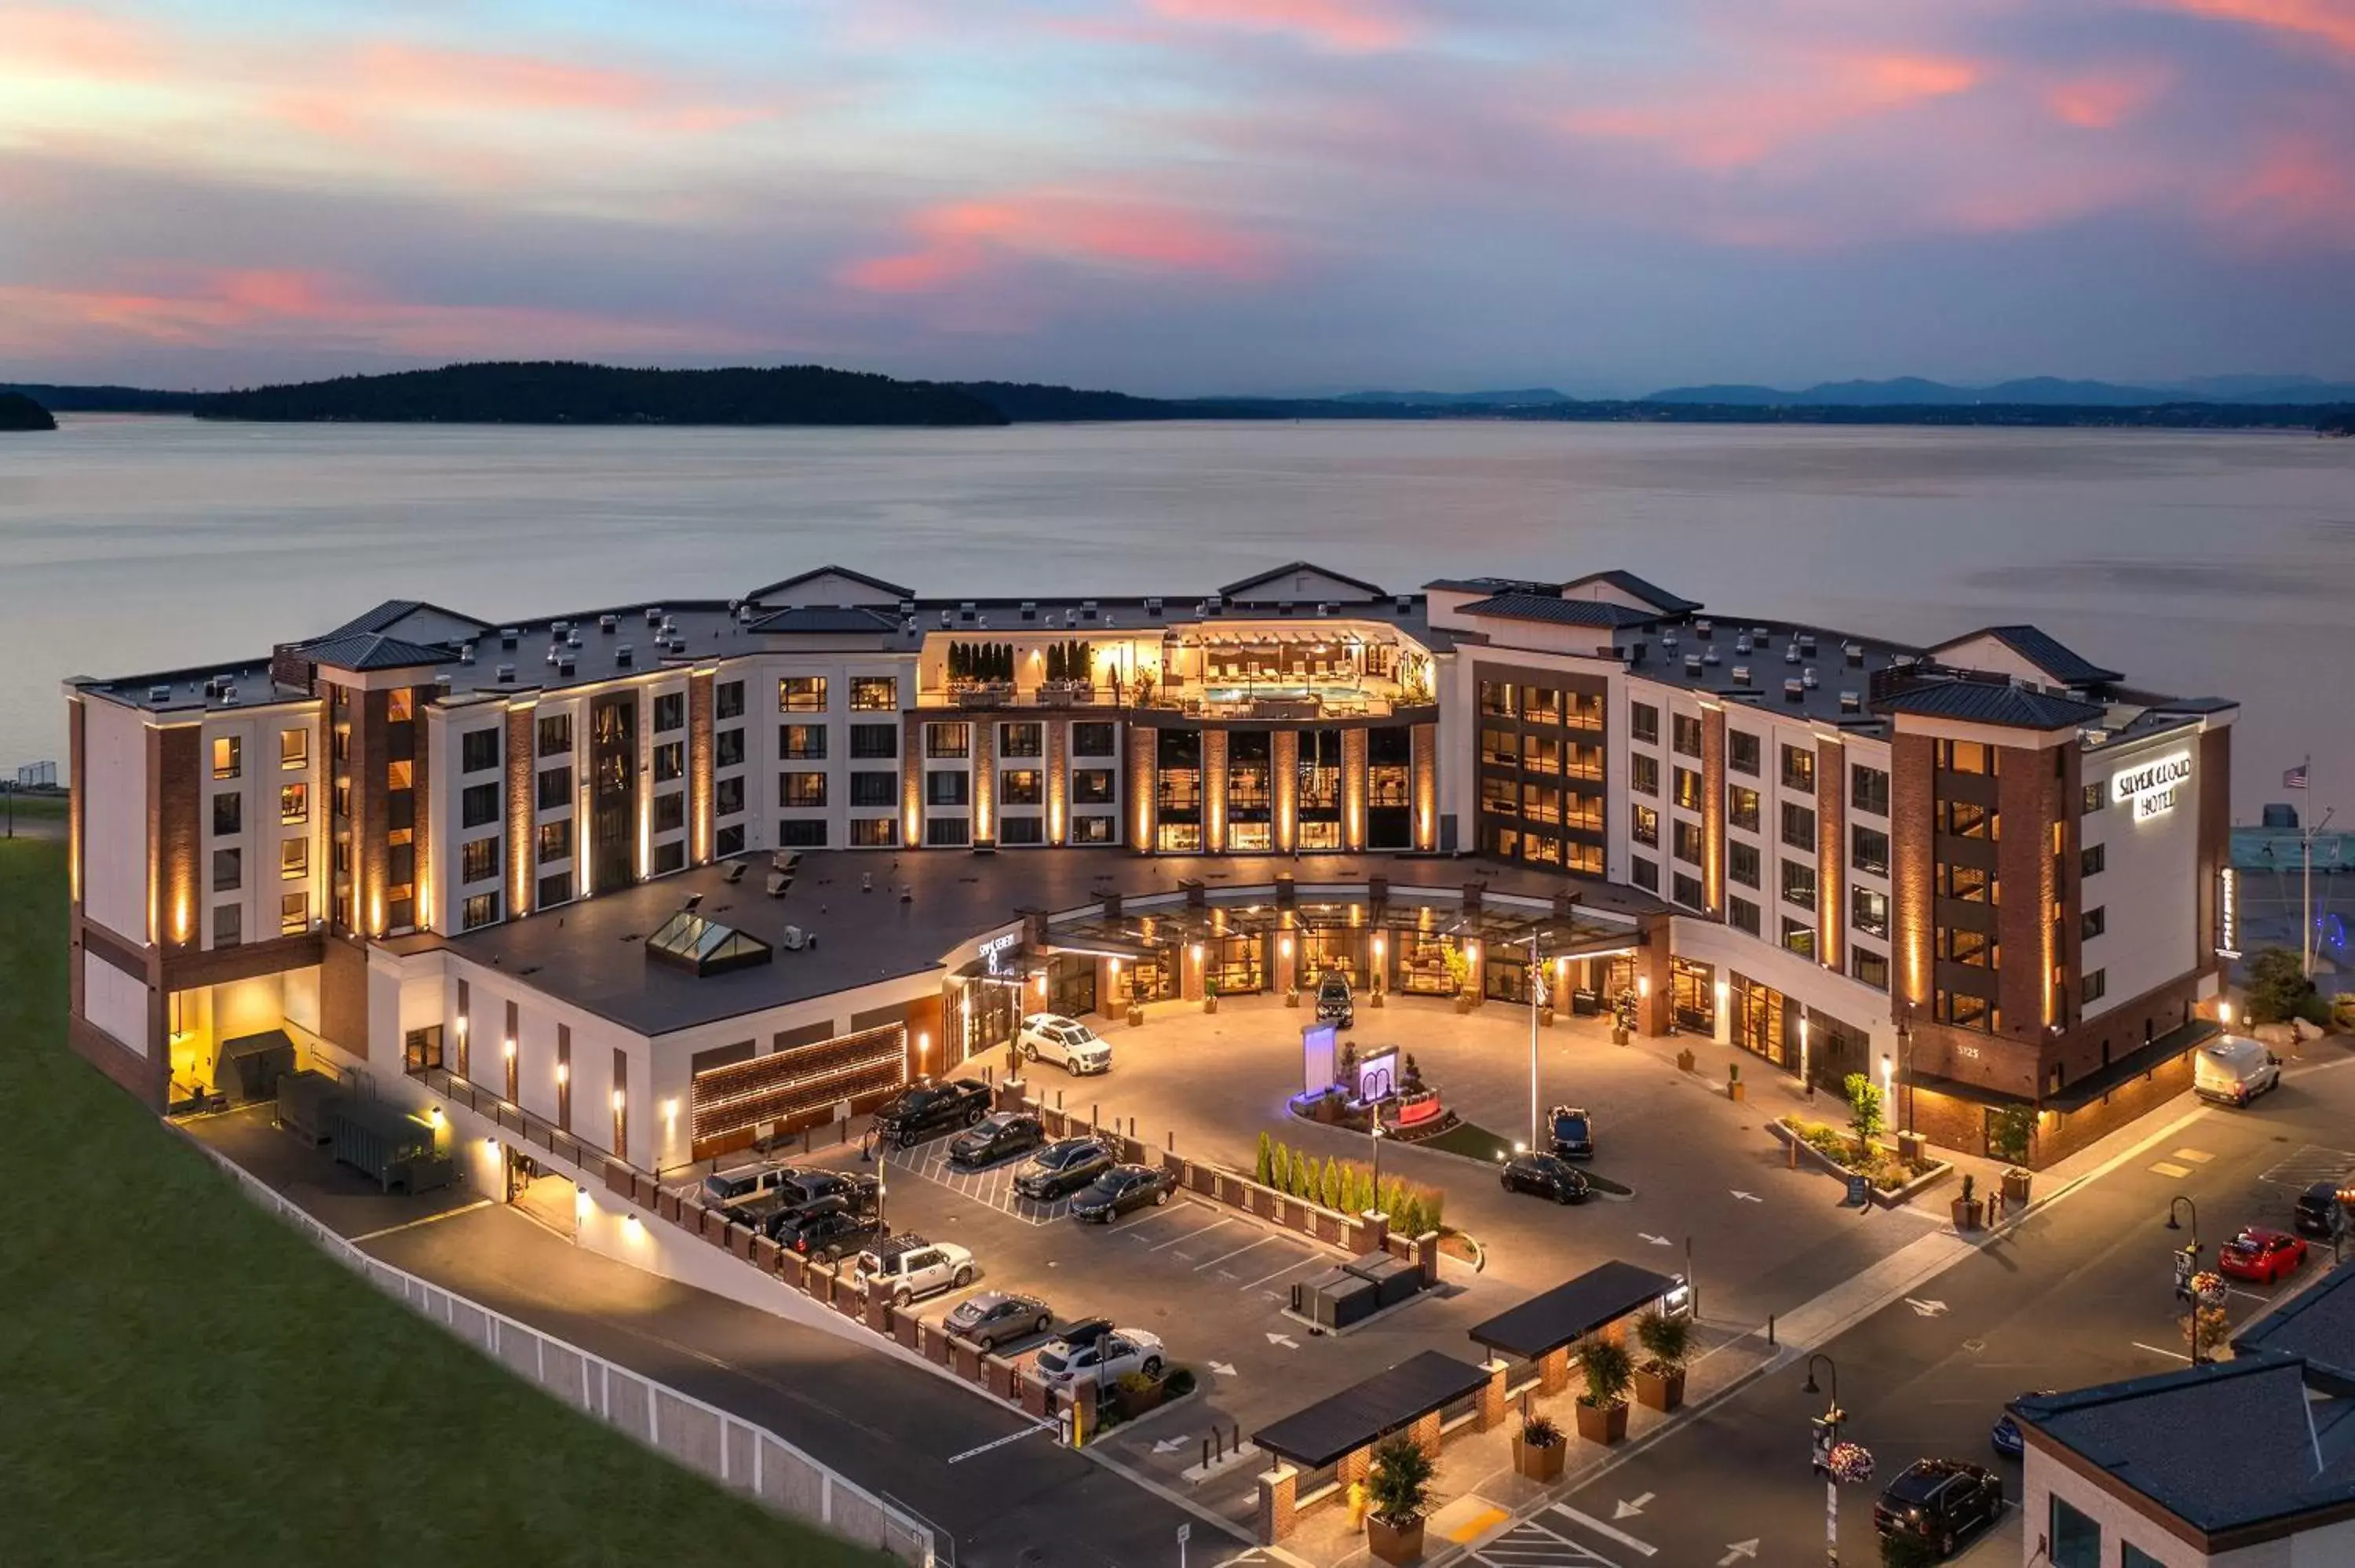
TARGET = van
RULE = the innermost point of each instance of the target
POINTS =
(2234, 1070)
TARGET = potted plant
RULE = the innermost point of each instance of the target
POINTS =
(1969, 1212)
(1667, 1345)
(1735, 1089)
(1397, 1492)
(1135, 1015)
(1211, 995)
(1684, 1060)
(2008, 1135)
(1603, 1408)
(1292, 996)
(1623, 1017)
(1538, 1450)
(1459, 976)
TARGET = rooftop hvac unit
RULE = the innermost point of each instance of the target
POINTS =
(1669, 642)
(947, 615)
(1404, 603)
(908, 625)
(1742, 674)
(1807, 644)
(1807, 677)
(608, 622)
(622, 654)
(465, 653)
(507, 675)
(1851, 702)
(559, 627)
(507, 635)
(1855, 653)
(1794, 691)
(1706, 627)
(564, 668)
(1692, 664)
(159, 694)
(228, 697)
(1742, 644)
(907, 607)
(1153, 607)
(1030, 610)
(441, 684)
(1791, 655)
(572, 640)
(1711, 656)
(654, 615)
(1759, 634)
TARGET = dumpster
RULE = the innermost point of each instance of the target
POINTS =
(1393, 1278)
(250, 1066)
(303, 1100)
(383, 1141)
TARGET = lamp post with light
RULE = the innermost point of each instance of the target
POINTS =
(1536, 992)
(1826, 1437)
(2187, 1266)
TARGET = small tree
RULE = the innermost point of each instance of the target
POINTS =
(2277, 986)
(1400, 1485)
(1279, 1174)
(1864, 1110)
(1264, 1163)
(2009, 1132)
(1407, 1218)
(1330, 1189)
(1608, 1370)
(1306, 1179)
(1667, 1339)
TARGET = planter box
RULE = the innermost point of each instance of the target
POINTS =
(1136, 1016)
(1394, 1543)
(1801, 1150)
(1618, 1035)
(1606, 1426)
(1541, 1464)
(1375, 999)
(1969, 1216)
(1463, 1003)
(1132, 1405)
(1661, 1390)
(2015, 1188)
(1292, 999)
(1210, 1002)
(1737, 1090)
(1684, 1060)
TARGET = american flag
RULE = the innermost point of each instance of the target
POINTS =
(2294, 779)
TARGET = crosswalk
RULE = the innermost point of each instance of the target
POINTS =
(2311, 1164)
(1547, 1542)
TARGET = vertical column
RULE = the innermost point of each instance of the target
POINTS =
(522, 748)
(2214, 783)
(371, 814)
(1911, 801)
(912, 778)
(984, 779)
(1058, 778)
(564, 1078)
(1353, 789)
(698, 767)
(1144, 756)
(1426, 786)
(176, 768)
(1831, 854)
(622, 1098)
(1284, 757)
(465, 1032)
(511, 1048)
(2023, 921)
(1713, 806)
(1214, 792)
(423, 849)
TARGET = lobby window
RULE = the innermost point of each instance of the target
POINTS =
(1970, 883)
(670, 711)
(1020, 787)
(1687, 781)
(1685, 890)
(1798, 767)
(728, 748)
(293, 748)
(478, 750)
(1869, 849)
(871, 788)
(1868, 789)
(2094, 921)
(948, 787)
(478, 860)
(555, 788)
(557, 888)
(228, 757)
(1799, 937)
(1869, 966)
(1742, 914)
(874, 741)
(1742, 807)
(479, 805)
(2094, 801)
(728, 796)
(1741, 751)
(1091, 829)
(2095, 986)
(2092, 860)
(482, 909)
(1798, 884)
(670, 761)
(294, 859)
(1969, 819)
(1643, 723)
(228, 869)
(1025, 831)
(802, 694)
(728, 700)
(801, 789)
(803, 833)
(1967, 756)
(1178, 838)
(875, 693)
(805, 742)
(1092, 786)
(948, 832)
(670, 857)
(1684, 733)
(1869, 911)
(875, 832)
(1091, 740)
(948, 740)
(1798, 826)
(1644, 874)
(1742, 864)
(1644, 824)
(728, 841)
(228, 926)
(1644, 774)
(1961, 944)
(228, 813)
(670, 811)
(1021, 740)
(556, 734)
(555, 842)
(293, 914)
(1687, 846)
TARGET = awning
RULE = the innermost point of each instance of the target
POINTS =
(1572, 1310)
(1390, 1401)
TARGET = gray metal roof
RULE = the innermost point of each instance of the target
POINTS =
(2047, 653)
(1240, 588)
(1651, 593)
(1558, 611)
(2319, 1325)
(1983, 702)
(782, 584)
(1552, 1318)
(839, 619)
(391, 613)
(1390, 1401)
(372, 651)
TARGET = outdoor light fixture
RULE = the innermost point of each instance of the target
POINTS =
(563, 1071)
(1283, 945)
(1644, 989)
(510, 1048)
(617, 1102)
(2224, 1014)
(1198, 952)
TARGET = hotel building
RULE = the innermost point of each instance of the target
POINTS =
(434, 849)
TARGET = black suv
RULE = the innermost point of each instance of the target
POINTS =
(829, 1231)
(1939, 1501)
(774, 1212)
(1334, 1005)
(2313, 1215)
(1573, 1133)
(1062, 1168)
(928, 1110)
(1001, 1134)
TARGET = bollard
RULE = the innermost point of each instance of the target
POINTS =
(1206, 1453)
(1238, 1436)
(1791, 1147)
(1770, 1330)
(1094, 1121)
(1172, 1142)
(805, 1140)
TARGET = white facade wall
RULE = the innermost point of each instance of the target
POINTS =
(765, 719)
(115, 1002)
(2148, 889)
(113, 789)
(262, 835)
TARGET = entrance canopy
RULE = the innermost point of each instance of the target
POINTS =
(1500, 922)
(1572, 1310)
(1390, 1401)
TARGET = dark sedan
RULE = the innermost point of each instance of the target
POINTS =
(2005, 1435)
(1546, 1176)
(1062, 1168)
(998, 1136)
(2325, 1207)
(993, 1317)
(1120, 1189)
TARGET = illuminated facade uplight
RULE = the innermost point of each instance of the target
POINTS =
(510, 1048)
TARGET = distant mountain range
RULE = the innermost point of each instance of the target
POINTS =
(2035, 391)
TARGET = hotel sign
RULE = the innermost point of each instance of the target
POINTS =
(995, 951)
(2151, 788)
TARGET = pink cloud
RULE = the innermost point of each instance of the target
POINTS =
(2330, 20)
(958, 239)
(80, 43)
(1356, 26)
(1734, 127)
(2106, 97)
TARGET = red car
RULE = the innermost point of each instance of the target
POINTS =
(2262, 1255)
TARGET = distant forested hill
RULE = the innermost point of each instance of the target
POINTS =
(102, 399)
(18, 412)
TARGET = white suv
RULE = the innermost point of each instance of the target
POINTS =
(1075, 1047)
(1107, 1356)
(909, 1266)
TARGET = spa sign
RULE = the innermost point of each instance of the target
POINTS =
(2151, 788)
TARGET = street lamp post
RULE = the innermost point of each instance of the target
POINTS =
(1377, 1136)
(1536, 989)
(1905, 1062)
(1826, 1434)
(2187, 1266)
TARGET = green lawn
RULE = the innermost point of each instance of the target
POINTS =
(185, 1380)
(47, 806)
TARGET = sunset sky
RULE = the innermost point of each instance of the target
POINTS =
(1183, 196)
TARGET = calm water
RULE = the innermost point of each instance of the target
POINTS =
(2214, 563)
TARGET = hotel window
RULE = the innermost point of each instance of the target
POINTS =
(1742, 807)
(478, 806)
(1582, 761)
(557, 888)
(1541, 704)
(555, 842)
(478, 860)
(1869, 849)
(1970, 883)
(1684, 733)
(228, 869)
(948, 740)
(728, 796)
(1742, 914)
(482, 909)
(670, 761)
(948, 832)
(1092, 786)
(1798, 767)
(1581, 712)
(554, 791)
(229, 759)
(1025, 831)
(478, 750)
(1799, 937)
(670, 711)
(556, 734)
(874, 832)
(805, 742)
(1798, 884)
(2091, 862)
(1687, 781)
(803, 833)
(1964, 1010)
(1091, 829)
(1643, 723)
(1497, 699)
(801, 789)
(948, 787)
(2132, 1556)
(1687, 846)
(294, 859)
(1020, 787)
(1540, 753)
(1540, 803)
(2077, 1540)
(1178, 838)
(875, 693)
(1644, 824)
(872, 789)
(398, 776)
(1870, 967)
(228, 926)
(802, 694)
(1644, 874)
(1960, 945)
(1868, 789)
(293, 914)
(293, 748)
(1644, 774)
(1869, 911)
(1742, 864)
(670, 811)
(671, 857)
(1969, 819)
(1741, 751)
(1967, 756)
(2094, 801)
(399, 706)
(228, 813)
(728, 748)
(1685, 890)
(2094, 921)
(728, 700)
(1586, 859)
(1497, 747)
(873, 741)
(1798, 826)
(728, 840)
(1499, 799)
(1091, 740)
(1020, 740)
(344, 801)
(2096, 986)
(1583, 812)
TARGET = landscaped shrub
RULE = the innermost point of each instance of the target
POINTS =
(1263, 1162)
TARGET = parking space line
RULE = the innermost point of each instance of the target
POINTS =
(1280, 1272)
(2154, 1350)
(1189, 1236)
(1237, 1252)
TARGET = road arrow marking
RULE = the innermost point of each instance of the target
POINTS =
(1656, 1241)
(1747, 1197)
(1738, 1551)
(1596, 1525)
(1286, 1340)
(1169, 1445)
(1630, 1509)
(1925, 1309)
(1224, 1369)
